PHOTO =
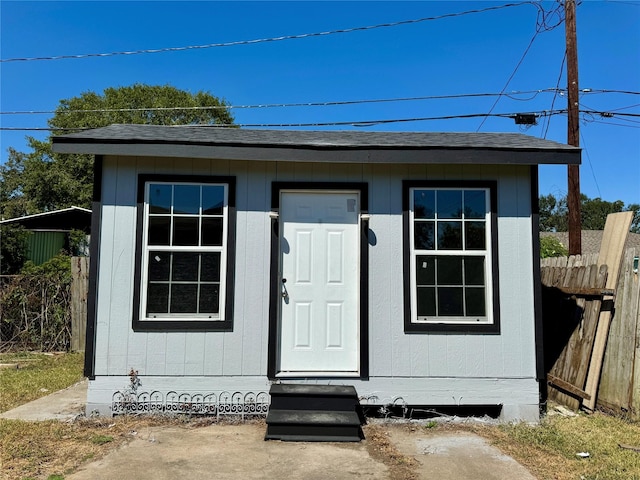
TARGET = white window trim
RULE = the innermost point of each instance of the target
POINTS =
(487, 253)
(146, 248)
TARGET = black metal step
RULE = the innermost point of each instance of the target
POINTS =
(326, 436)
(313, 426)
(312, 417)
(302, 389)
(314, 413)
(313, 397)
(307, 433)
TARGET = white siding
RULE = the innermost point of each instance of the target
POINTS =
(243, 352)
(386, 314)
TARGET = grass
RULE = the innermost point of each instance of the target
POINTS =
(101, 439)
(37, 375)
(52, 449)
(549, 450)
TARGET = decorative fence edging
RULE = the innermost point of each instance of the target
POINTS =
(224, 403)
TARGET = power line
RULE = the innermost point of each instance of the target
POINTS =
(609, 114)
(557, 89)
(606, 116)
(591, 90)
(635, 4)
(512, 95)
(366, 123)
(592, 119)
(355, 123)
(614, 124)
(625, 108)
(533, 93)
(593, 173)
(510, 78)
(542, 24)
(272, 39)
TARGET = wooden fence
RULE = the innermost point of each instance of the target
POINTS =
(572, 299)
(573, 293)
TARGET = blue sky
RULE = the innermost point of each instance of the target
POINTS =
(463, 54)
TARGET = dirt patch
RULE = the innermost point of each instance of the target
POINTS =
(380, 447)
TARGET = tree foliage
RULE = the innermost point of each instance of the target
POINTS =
(133, 104)
(40, 180)
(13, 249)
(552, 247)
(593, 213)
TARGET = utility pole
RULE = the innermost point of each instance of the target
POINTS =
(573, 132)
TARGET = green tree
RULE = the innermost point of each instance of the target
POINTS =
(551, 247)
(13, 249)
(40, 180)
(593, 213)
(635, 223)
(553, 213)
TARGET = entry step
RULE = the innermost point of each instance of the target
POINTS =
(312, 417)
(314, 413)
(325, 390)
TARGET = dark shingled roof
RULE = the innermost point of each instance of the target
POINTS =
(214, 142)
(319, 139)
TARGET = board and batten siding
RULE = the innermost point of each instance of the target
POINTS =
(243, 351)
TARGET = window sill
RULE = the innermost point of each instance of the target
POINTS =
(443, 327)
(172, 325)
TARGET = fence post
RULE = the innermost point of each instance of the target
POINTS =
(79, 289)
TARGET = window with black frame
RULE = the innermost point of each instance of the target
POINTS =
(451, 256)
(184, 252)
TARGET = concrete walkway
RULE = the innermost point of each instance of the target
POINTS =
(239, 451)
(457, 455)
(63, 405)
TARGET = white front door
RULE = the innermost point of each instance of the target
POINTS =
(320, 268)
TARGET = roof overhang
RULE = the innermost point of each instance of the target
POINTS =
(64, 220)
(317, 146)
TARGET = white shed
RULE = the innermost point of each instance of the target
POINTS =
(403, 264)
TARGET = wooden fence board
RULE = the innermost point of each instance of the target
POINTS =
(614, 237)
(619, 373)
(558, 382)
(79, 288)
(632, 312)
